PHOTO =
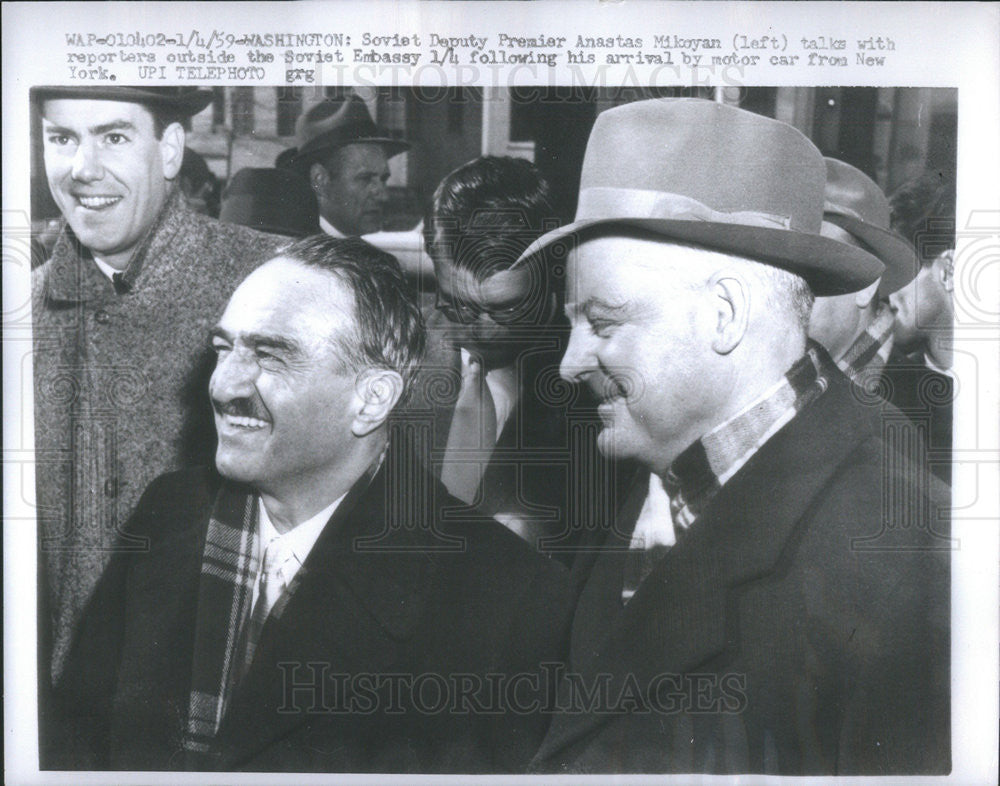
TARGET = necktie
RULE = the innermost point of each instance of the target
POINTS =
(271, 584)
(473, 433)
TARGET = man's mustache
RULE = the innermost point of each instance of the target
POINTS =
(241, 408)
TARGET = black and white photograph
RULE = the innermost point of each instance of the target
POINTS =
(479, 389)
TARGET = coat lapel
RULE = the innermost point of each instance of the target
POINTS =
(684, 613)
(361, 589)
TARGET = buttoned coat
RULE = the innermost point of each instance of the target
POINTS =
(394, 588)
(120, 385)
(801, 626)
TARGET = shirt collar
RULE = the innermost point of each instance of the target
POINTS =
(74, 276)
(299, 540)
(330, 229)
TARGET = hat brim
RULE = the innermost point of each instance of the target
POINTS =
(899, 258)
(186, 104)
(313, 149)
(828, 266)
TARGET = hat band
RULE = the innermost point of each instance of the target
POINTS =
(843, 210)
(603, 202)
(835, 232)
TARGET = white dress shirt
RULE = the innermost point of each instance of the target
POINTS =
(299, 541)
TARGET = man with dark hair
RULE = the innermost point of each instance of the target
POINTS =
(774, 594)
(132, 283)
(503, 432)
(308, 607)
(345, 158)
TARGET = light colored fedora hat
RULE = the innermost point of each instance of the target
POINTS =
(713, 175)
(855, 205)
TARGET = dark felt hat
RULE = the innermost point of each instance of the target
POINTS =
(271, 200)
(714, 175)
(335, 123)
(185, 101)
(856, 205)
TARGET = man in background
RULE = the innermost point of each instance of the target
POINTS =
(503, 423)
(119, 313)
(857, 328)
(345, 159)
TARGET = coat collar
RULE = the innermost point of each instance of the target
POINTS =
(74, 277)
(684, 614)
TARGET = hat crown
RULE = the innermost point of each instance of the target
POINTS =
(725, 158)
(337, 122)
(349, 113)
(185, 101)
(850, 192)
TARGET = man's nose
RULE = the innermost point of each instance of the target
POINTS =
(87, 166)
(234, 376)
(381, 192)
(578, 361)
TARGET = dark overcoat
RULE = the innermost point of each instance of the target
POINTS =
(800, 626)
(399, 651)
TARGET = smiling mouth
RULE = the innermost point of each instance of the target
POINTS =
(98, 202)
(242, 422)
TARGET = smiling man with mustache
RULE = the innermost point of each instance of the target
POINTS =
(314, 603)
(118, 311)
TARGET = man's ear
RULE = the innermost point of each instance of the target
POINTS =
(378, 391)
(731, 297)
(318, 178)
(864, 298)
(172, 150)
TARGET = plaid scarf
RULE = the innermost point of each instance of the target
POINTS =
(698, 473)
(865, 358)
(229, 569)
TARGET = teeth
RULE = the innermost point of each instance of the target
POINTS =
(95, 202)
(244, 422)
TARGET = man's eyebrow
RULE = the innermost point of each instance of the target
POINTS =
(114, 125)
(52, 128)
(592, 304)
(103, 128)
(257, 340)
(219, 332)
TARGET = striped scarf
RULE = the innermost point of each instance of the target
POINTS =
(698, 473)
(866, 357)
(229, 569)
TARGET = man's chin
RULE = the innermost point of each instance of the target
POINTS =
(232, 468)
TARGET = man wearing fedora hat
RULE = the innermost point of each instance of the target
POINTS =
(121, 312)
(857, 328)
(761, 601)
(346, 160)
